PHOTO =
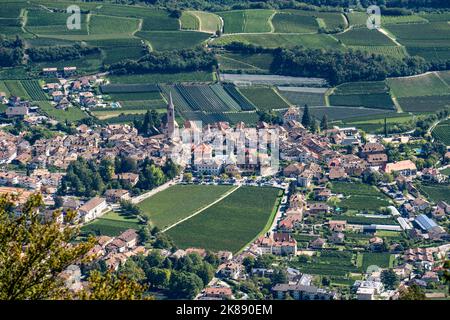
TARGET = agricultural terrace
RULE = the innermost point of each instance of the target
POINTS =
(381, 260)
(232, 223)
(364, 37)
(303, 95)
(286, 40)
(243, 61)
(173, 40)
(428, 84)
(434, 192)
(177, 202)
(359, 196)
(197, 76)
(111, 224)
(374, 94)
(375, 123)
(337, 113)
(205, 21)
(423, 93)
(247, 21)
(264, 98)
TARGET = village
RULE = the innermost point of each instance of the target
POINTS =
(342, 193)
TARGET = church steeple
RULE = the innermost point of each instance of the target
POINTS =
(171, 123)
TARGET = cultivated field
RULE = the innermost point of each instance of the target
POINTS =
(248, 21)
(422, 85)
(173, 40)
(173, 204)
(273, 40)
(373, 94)
(230, 224)
(442, 132)
(364, 37)
(303, 95)
(359, 196)
(264, 98)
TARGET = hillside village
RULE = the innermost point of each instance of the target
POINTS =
(350, 203)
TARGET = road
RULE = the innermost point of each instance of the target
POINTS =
(152, 192)
(204, 208)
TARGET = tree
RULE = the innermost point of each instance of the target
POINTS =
(111, 287)
(187, 177)
(306, 118)
(158, 277)
(185, 285)
(414, 292)
(33, 254)
(131, 270)
(324, 122)
(390, 279)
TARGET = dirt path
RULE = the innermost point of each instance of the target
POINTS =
(203, 209)
(390, 37)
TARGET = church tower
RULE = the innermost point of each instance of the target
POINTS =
(171, 124)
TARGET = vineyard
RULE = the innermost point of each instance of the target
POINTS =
(248, 21)
(442, 132)
(300, 95)
(34, 90)
(363, 94)
(364, 37)
(264, 98)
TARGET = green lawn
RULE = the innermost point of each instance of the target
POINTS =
(111, 224)
(173, 204)
(71, 114)
(230, 224)
(382, 260)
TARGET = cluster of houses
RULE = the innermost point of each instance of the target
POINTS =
(65, 93)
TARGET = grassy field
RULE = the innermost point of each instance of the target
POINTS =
(248, 21)
(71, 114)
(15, 88)
(230, 224)
(173, 204)
(264, 98)
(111, 224)
(382, 260)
